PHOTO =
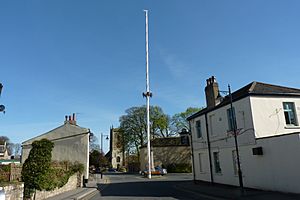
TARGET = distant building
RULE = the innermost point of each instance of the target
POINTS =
(268, 137)
(167, 151)
(71, 143)
(3, 150)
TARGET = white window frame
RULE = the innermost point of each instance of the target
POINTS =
(290, 113)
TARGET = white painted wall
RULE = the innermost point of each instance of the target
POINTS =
(268, 115)
(277, 169)
(219, 135)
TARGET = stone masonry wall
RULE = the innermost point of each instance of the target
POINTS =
(166, 155)
(13, 191)
(71, 184)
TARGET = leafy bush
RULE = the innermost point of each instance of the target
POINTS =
(39, 173)
(36, 166)
(4, 173)
(76, 167)
(5, 168)
(179, 168)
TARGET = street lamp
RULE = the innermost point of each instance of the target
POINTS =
(2, 107)
(101, 136)
(235, 137)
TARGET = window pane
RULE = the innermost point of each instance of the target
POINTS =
(287, 118)
(198, 129)
(230, 119)
(290, 113)
(217, 162)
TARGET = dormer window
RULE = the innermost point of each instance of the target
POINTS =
(290, 113)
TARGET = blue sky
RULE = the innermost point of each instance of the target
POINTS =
(59, 57)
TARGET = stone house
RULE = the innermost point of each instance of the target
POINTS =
(3, 150)
(71, 143)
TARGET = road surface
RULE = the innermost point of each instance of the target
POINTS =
(134, 186)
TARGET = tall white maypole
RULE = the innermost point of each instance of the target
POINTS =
(148, 94)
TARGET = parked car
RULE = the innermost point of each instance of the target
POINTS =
(98, 170)
(112, 170)
(156, 171)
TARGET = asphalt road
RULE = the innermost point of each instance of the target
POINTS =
(128, 186)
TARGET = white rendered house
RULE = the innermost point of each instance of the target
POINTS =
(268, 137)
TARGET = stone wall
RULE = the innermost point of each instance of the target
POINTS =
(13, 191)
(166, 155)
(15, 172)
(71, 184)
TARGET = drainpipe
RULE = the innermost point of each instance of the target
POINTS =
(209, 150)
(192, 149)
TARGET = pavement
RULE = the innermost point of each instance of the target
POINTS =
(83, 193)
(226, 192)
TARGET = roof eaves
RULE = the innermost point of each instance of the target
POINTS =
(237, 95)
(85, 129)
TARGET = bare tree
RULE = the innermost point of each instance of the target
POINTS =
(17, 150)
(94, 143)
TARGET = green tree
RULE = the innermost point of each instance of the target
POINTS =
(37, 166)
(159, 122)
(179, 120)
(133, 126)
(98, 159)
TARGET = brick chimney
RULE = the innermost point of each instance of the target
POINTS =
(212, 92)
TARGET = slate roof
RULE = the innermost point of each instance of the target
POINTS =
(63, 131)
(252, 89)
